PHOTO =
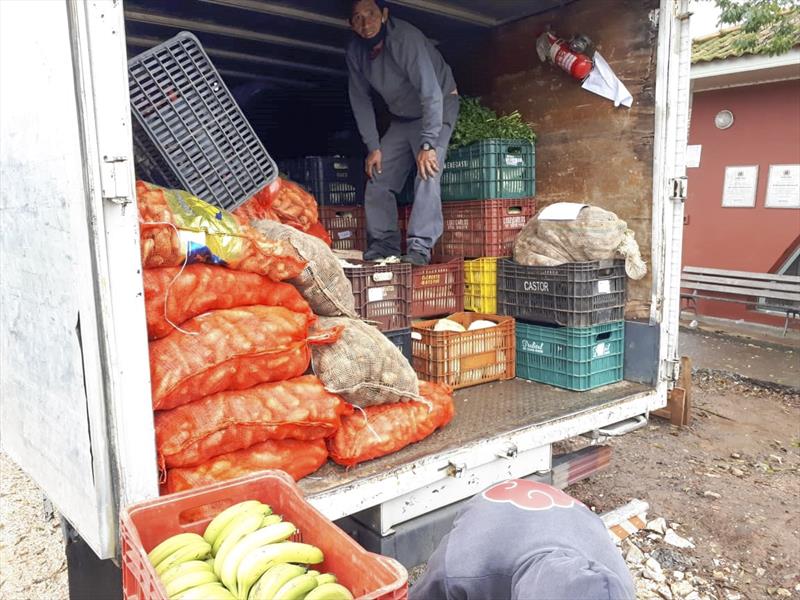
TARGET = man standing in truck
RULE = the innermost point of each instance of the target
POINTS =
(397, 61)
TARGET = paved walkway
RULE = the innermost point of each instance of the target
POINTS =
(751, 358)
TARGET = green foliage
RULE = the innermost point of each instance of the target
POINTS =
(477, 122)
(770, 26)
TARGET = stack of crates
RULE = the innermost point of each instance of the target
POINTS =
(383, 298)
(337, 183)
(487, 198)
(570, 328)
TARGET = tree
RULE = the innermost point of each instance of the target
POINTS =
(772, 26)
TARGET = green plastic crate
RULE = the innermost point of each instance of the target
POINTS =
(574, 358)
(490, 169)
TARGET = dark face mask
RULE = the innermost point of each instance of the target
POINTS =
(370, 43)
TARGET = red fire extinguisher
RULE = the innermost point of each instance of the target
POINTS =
(565, 55)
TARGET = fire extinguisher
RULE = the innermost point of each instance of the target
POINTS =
(574, 58)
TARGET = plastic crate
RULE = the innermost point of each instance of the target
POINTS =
(464, 359)
(333, 180)
(572, 358)
(382, 293)
(480, 285)
(401, 339)
(437, 288)
(191, 118)
(572, 295)
(150, 165)
(144, 525)
(346, 226)
(490, 169)
(482, 228)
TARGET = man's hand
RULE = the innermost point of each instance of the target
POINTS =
(427, 163)
(374, 163)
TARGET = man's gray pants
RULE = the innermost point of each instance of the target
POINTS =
(399, 148)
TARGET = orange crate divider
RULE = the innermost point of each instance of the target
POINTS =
(437, 288)
(465, 359)
(146, 524)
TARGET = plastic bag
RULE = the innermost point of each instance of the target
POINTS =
(298, 458)
(381, 430)
(299, 408)
(178, 228)
(363, 365)
(323, 282)
(231, 349)
(200, 288)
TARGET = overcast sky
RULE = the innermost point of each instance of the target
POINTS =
(704, 17)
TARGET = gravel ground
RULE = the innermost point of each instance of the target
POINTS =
(32, 560)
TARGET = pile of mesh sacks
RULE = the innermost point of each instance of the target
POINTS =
(257, 357)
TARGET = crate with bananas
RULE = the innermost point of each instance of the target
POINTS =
(246, 553)
(248, 538)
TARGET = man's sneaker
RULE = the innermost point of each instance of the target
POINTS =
(415, 258)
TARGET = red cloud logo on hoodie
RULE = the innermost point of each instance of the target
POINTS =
(529, 495)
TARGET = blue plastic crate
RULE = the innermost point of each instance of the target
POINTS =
(402, 339)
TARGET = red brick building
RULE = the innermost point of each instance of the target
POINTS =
(746, 121)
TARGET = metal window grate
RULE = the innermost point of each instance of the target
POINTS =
(190, 116)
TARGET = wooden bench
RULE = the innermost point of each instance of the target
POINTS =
(766, 291)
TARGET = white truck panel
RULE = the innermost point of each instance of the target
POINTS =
(52, 412)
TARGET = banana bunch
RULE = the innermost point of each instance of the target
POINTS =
(183, 563)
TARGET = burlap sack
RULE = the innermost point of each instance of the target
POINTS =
(596, 234)
(364, 366)
(322, 283)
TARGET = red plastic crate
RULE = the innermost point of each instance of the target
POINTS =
(347, 226)
(146, 524)
(438, 288)
(478, 228)
(382, 293)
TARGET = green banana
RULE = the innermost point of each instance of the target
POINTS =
(169, 545)
(188, 581)
(230, 560)
(273, 579)
(208, 591)
(259, 560)
(192, 551)
(271, 520)
(329, 591)
(219, 522)
(296, 588)
(190, 566)
(326, 578)
(233, 524)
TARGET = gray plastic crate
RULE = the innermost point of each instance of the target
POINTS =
(150, 165)
(190, 116)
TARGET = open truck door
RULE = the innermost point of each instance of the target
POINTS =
(71, 286)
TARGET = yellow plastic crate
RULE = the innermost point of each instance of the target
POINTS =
(480, 285)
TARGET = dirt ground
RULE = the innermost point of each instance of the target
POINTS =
(730, 483)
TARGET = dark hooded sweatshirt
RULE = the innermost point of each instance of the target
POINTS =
(524, 540)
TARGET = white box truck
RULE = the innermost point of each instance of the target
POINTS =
(76, 407)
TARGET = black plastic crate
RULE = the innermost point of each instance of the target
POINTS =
(186, 110)
(402, 339)
(580, 294)
(333, 180)
(150, 165)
